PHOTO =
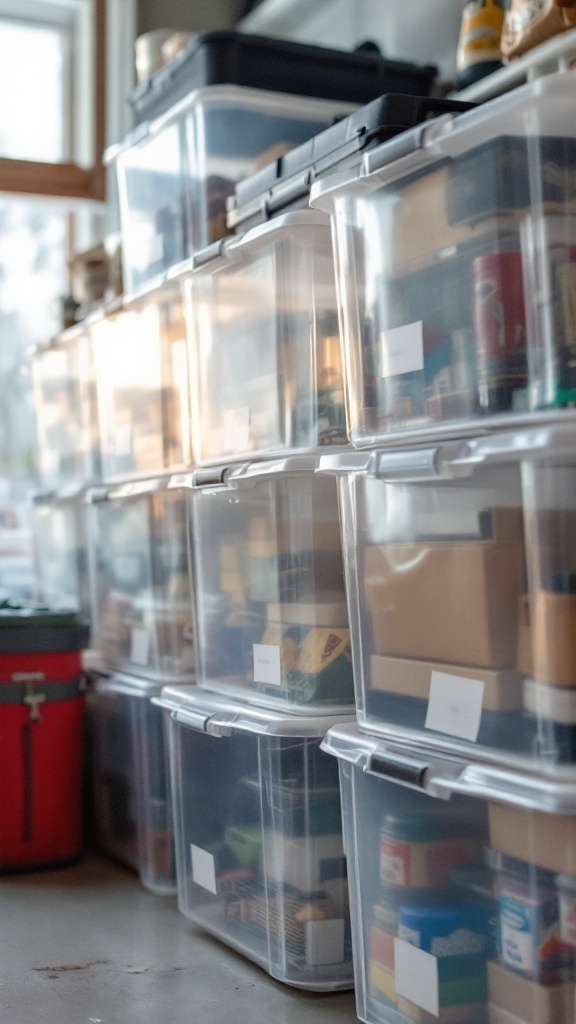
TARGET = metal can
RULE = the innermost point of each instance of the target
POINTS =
(500, 324)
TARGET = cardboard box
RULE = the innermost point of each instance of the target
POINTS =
(547, 840)
(452, 601)
(423, 230)
(551, 703)
(411, 678)
(524, 659)
(332, 612)
(526, 1000)
(554, 638)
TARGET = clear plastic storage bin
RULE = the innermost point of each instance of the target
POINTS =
(271, 615)
(142, 374)
(140, 580)
(59, 529)
(66, 409)
(461, 575)
(455, 247)
(462, 888)
(259, 856)
(264, 342)
(175, 173)
(131, 779)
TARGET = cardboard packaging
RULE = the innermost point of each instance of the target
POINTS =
(555, 638)
(526, 1000)
(547, 840)
(524, 659)
(550, 703)
(451, 600)
(411, 678)
(423, 228)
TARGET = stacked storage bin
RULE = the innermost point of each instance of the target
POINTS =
(139, 574)
(257, 815)
(207, 121)
(454, 249)
(68, 462)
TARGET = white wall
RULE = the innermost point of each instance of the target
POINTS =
(425, 31)
(194, 15)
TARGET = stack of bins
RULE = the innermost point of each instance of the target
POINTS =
(68, 462)
(206, 121)
(139, 574)
(258, 829)
(454, 249)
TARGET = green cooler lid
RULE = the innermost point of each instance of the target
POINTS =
(35, 629)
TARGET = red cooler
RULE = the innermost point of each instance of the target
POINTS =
(41, 736)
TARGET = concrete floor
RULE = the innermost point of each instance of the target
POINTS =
(88, 945)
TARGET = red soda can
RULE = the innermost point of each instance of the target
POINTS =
(500, 325)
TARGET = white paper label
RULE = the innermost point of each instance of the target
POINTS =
(123, 441)
(402, 350)
(325, 942)
(139, 646)
(455, 705)
(267, 668)
(416, 976)
(203, 868)
(236, 424)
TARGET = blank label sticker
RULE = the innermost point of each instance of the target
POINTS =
(123, 441)
(416, 976)
(402, 350)
(267, 668)
(203, 869)
(455, 705)
(139, 646)
(325, 942)
(236, 423)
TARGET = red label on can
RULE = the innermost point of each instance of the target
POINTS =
(499, 312)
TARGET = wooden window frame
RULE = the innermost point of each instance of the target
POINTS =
(67, 180)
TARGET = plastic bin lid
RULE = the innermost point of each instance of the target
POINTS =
(545, 105)
(237, 473)
(129, 686)
(30, 629)
(278, 65)
(258, 235)
(219, 716)
(289, 178)
(442, 776)
(132, 489)
(542, 438)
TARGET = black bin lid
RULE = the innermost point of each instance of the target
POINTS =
(278, 65)
(288, 179)
(34, 629)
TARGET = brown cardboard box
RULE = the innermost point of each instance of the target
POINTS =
(555, 638)
(411, 678)
(524, 659)
(526, 1000)
(331, 612)
(455, 601)
(421, 231)
(548, 840)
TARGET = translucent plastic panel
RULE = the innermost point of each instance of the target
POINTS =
(259, 852)
(270, 605)
(142, 606)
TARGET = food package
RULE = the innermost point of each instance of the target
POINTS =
(530, 22)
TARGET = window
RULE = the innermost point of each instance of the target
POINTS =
(53, 78)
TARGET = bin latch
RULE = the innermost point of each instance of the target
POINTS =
(34, 698)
